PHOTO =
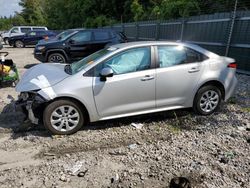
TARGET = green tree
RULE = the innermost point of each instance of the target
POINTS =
(33, 12)
(137, 10)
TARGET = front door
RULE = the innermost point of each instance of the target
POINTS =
(132, 87)
(79, 45)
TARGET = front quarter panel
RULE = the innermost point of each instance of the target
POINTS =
(78, 87)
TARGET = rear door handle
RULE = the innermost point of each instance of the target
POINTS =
(147, 77)
(194, 69)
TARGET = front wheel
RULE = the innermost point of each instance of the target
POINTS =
(207, 100)
(56, 58)
(63, 117)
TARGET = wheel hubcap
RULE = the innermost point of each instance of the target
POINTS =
(64, 118)
(56, 59)
(19, 44)
(209, 101)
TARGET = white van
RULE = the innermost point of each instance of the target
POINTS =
(20, 30)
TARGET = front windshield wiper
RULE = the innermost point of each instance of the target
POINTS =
(68, 69)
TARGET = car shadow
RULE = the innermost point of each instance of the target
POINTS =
(13, 120)
(149, 119)
(28, 66)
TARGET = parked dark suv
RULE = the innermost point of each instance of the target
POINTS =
(31, 38)
(76, 45)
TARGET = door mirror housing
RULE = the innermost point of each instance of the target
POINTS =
(106, 72)
(71, 41)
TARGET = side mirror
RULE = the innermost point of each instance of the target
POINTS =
(71, 41)
(106, 72)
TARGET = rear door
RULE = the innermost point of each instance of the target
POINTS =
(101, 39)
(79, 45)
(32, 38)
(179, 71)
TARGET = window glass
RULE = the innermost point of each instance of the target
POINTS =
(192, 56)
(38, 28)
(14, 30)
(25, 30)
(171, 55)
(32, 33)
(101, 35)
(41, 33)
(133, 60)
(82, 37)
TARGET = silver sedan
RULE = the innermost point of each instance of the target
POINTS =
(126, 80)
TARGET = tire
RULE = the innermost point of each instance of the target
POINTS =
(63, 117)
(56, 58)
(6, 41)
(207, 100)
(19, 44)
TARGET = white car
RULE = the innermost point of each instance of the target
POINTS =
(124, 80)
(20, 30)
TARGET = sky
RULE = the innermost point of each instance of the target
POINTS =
(8, 7)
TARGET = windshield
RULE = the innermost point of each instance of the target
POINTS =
(64, 34)
(80, 65)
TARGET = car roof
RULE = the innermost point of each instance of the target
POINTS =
(152, 43)
(90, 29)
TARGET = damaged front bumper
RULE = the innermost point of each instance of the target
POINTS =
(31, 104)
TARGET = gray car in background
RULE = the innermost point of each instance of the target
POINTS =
(125, 80)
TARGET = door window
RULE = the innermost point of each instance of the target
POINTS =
(82, 37)
(176, 55)
(101, 35)
(38, 28)
(25, 30)
(33, 33)
(133, 60)
(14, 30)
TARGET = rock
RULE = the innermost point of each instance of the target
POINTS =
(180, 182)
(224, 160)
(241, 128)
(82, 173)
(63, 178)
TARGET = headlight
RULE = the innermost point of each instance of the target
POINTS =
(24, 96)
(40, 48)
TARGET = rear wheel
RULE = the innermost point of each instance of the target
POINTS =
(207, 100)
(56, 58)
(63, 117)
(19, 44)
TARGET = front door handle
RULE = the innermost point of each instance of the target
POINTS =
(194, 69)
(147, 77)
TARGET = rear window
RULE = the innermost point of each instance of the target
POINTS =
(101, 35)
(25, 30)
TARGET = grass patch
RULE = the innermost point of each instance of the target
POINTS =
(174, 129)
(247, 109)
(232, 100)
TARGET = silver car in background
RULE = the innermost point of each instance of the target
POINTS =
(126, 80)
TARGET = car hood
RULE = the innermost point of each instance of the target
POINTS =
(50, 40)
(41, 76)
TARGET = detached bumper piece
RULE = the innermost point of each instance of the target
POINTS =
(31, 104)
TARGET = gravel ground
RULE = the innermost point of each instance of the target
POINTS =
(207, 152)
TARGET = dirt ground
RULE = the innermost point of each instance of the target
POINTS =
(209, 152)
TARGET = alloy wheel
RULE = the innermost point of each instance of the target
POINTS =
(65, 118)
(56, 58)
(209, 101)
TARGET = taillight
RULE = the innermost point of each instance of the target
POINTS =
(232, 65)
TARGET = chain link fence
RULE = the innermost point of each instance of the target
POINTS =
(227, 33)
